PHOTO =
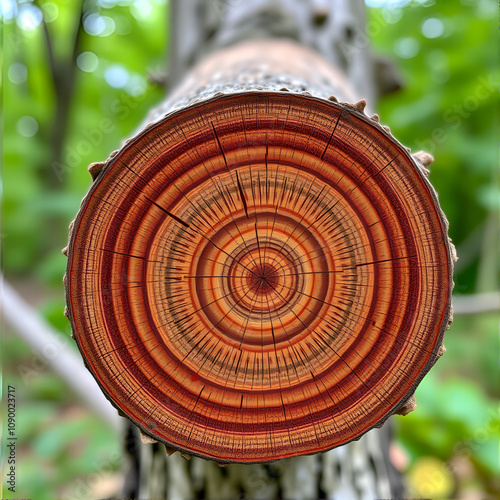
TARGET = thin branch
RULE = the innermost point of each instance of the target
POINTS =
(54, 348)
(78, 36)
(469, 248)
(50, 52)
(476, 304)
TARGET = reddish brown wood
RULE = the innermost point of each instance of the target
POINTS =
(260, 275)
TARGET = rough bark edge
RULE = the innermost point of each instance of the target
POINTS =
(419, 161)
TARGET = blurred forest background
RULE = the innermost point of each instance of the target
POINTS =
(79, 77)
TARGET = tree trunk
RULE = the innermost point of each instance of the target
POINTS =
(359, 470)
(255, 228)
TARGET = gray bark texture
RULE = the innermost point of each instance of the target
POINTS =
(333, 28)
(360, 470)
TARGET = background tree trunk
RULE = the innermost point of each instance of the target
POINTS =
(358, 470)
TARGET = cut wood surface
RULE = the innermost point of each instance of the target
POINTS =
(260, 274)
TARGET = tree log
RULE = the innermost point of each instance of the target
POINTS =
(262, 271)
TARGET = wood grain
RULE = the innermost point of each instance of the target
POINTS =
(259, 276)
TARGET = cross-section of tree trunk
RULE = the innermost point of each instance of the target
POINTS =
(261, 272)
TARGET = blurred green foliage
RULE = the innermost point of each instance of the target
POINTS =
(446, 53)
(121, 47)
(61, 448)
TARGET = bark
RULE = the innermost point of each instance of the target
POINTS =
(333, 28)
(359, 470)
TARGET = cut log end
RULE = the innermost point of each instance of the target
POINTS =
(238, 258)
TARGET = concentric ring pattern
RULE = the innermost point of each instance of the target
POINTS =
(259, 276)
